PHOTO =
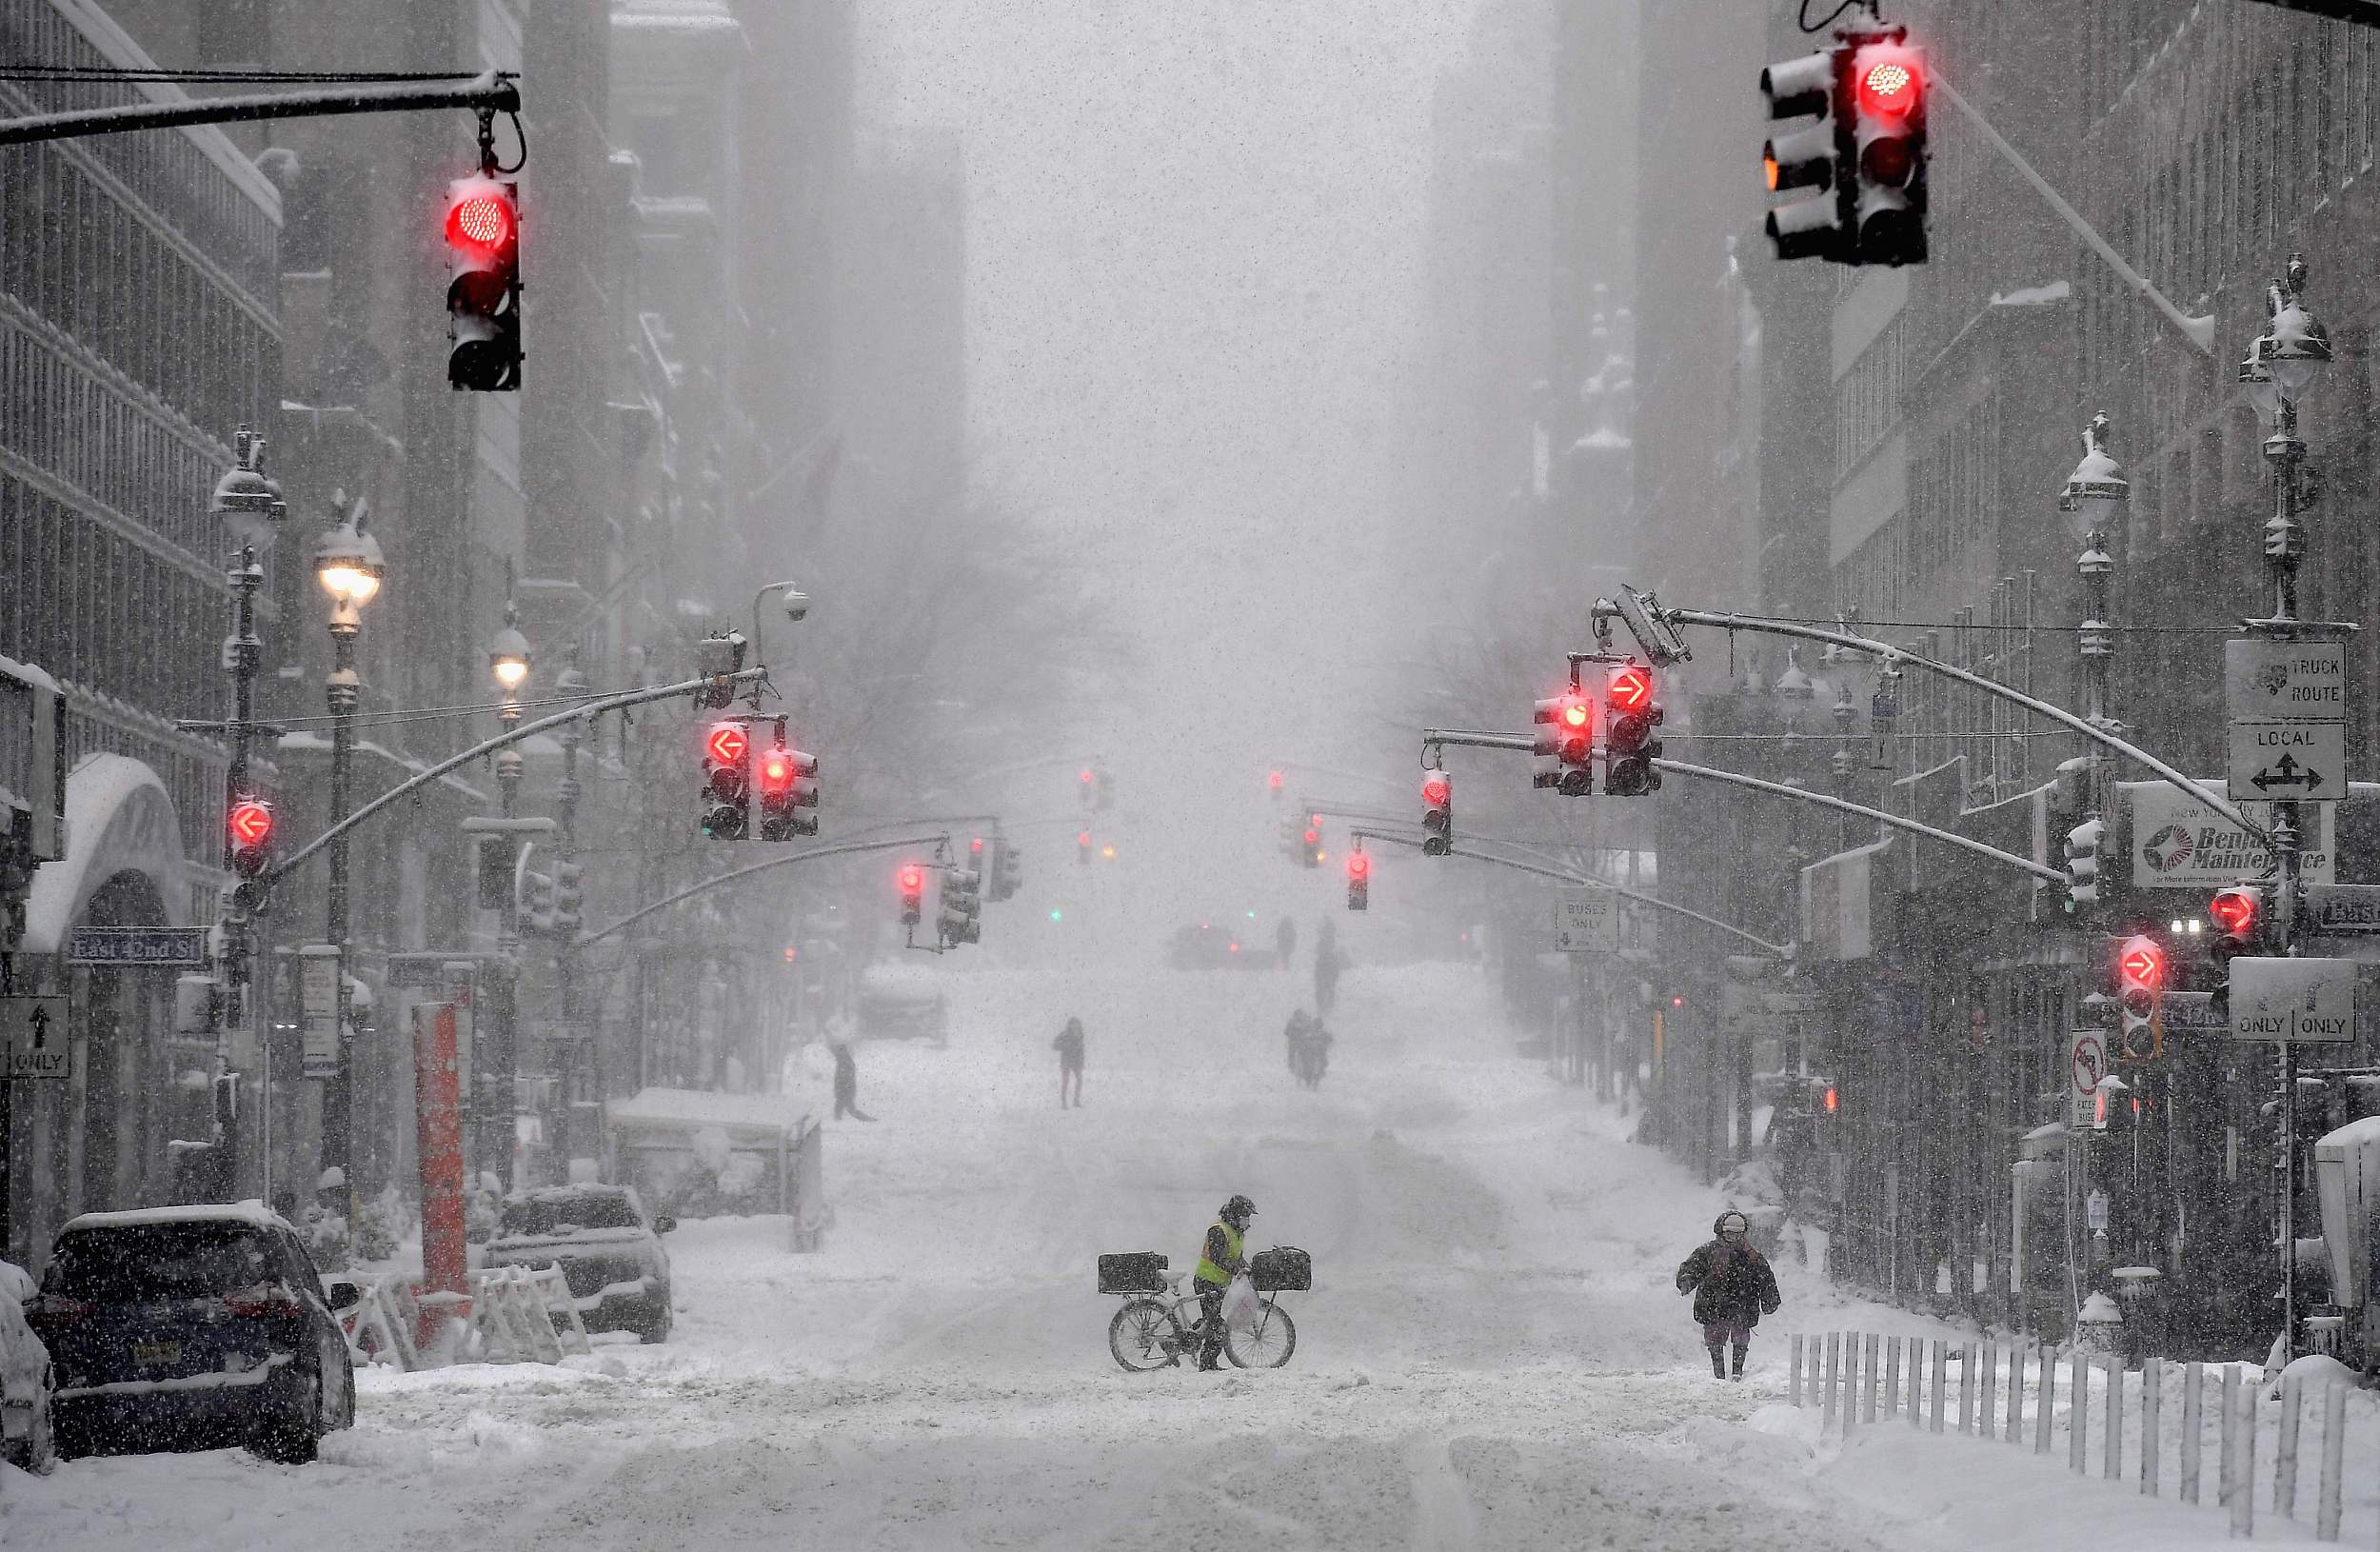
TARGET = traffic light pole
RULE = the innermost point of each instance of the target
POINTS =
(496, 92)
(1589, 882)
(512, 735)
(1763, 626)
(845, 848)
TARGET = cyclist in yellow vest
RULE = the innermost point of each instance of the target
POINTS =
(1221, 1258)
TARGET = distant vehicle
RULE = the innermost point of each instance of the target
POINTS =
(899, 1001)
(189, 1327)
(1207, 946)
(609, 1250)
(25, 1378)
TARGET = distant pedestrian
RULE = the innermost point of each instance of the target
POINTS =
(1327, 968)
(1733, 1288)
(847, 1084)
(1069, 1048)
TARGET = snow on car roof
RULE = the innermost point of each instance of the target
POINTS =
(251, 1212)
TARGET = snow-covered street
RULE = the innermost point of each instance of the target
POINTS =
(1493, 1355)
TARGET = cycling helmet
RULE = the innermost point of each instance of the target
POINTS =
(1238, 1206)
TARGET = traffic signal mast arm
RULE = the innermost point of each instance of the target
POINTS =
(840, 848)
(1588, 880)
(1733, 778)
(589, 711)
(1762, 626)
(497, 91)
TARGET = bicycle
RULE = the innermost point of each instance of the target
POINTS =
(1149, 1334)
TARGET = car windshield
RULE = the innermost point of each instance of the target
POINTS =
(134, 1263)
(567, 1214)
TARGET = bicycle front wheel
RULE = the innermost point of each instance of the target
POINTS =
(1136, 1335)
(1266, 1342)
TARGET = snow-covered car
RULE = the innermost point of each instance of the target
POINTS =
(25, 1434)
(189, 1327)
(609, 1250)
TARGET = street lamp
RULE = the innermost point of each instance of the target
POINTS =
(509, 660)
(348, 565)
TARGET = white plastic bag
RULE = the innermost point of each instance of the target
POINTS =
(1239, 1303)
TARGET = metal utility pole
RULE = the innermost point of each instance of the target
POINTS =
(579, 1114)
(499, 1053)
(251, 505)
(2280, 367)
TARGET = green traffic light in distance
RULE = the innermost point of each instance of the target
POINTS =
(1057, 915)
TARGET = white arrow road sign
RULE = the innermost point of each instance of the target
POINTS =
(33, 1034)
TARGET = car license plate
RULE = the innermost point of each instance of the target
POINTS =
(156, 1352)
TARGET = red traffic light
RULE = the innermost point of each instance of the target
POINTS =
(976, 845)
(1082, 839)
(250, 822)
(1575, 712)
(1630, 688)
(1435, 791)
(2235, 911)
(912, 879)
(479, 216)
(1359, 865)
(1087, 777)
(1274, 780)
(2141, 963)
(1890, 83)
(727, 743)
(775, 772)
(1312, 836)
(1831, 1099)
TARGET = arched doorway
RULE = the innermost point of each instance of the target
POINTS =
(98, 1139)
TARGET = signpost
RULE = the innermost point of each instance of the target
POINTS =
(34, 1036)
(1587, 922)
(2288, 706)
(2088, 1064)
(321, 972)
(137, 945)
(2294, 1002)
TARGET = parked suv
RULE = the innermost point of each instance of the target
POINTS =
(189, 1327)
(609, 1250)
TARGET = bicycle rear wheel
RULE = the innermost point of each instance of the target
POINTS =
(1137, 1333)
(1264, 1344)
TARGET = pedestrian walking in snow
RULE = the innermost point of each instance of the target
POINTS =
(847, 1084)
(1733, 1288)
(1069, 1048)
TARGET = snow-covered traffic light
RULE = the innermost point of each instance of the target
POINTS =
(1566, 746)
(496, 858)
(2139, 998)
(785, 777)
(2238, 914)
(249, 829)
(1359, 880)
(569, 897)
(1888, 133)
(726, 782)
(911, 880)
(1007, 874)
(1438, 813)
(2082, 866)
(1797, 155)
(962, 917)
(1310, 854)
(484, 285)
(1629, 714)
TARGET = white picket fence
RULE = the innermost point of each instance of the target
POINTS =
(1857, 1378)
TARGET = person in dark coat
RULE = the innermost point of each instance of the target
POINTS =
(1069, 1048)
(1733, 1288)
(847, 1084)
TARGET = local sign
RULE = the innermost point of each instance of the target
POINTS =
(137, 945)
(2288, 706)
(34, 1036)
(1587, 922)
(2295, 1002)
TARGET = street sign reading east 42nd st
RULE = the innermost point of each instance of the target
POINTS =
(2288, 706)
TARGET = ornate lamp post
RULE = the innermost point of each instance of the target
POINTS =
(509, 660)
(348, 565)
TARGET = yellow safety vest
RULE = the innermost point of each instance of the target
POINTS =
(1208, 1271)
